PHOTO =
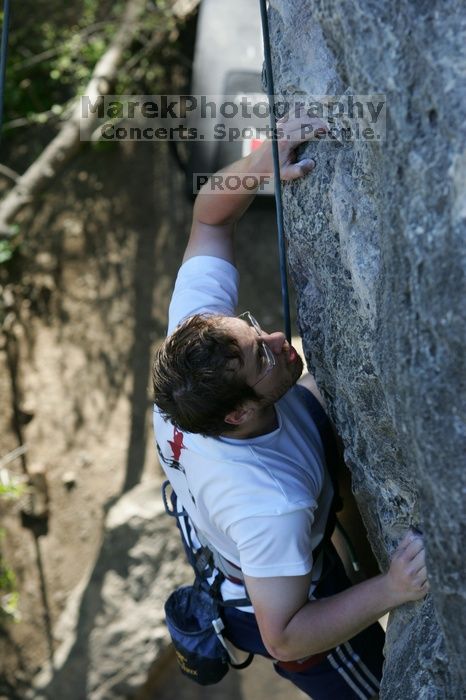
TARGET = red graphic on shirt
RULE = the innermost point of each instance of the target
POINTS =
(176, 444)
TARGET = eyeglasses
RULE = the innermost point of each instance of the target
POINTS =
(267, 358)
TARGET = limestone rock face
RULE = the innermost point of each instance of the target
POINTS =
(377, 250)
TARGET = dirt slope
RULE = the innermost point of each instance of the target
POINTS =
(103, 248)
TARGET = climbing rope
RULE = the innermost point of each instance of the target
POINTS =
(3, 55)
(276, 170)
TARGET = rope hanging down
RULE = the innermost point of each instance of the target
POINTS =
(276, 170)
(3, 55)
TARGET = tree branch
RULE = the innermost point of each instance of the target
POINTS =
(182, 8)
(67, 142)
(9, 173)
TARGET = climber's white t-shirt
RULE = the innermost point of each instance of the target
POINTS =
(262, 502)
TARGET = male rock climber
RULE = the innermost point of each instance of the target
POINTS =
(237, 437)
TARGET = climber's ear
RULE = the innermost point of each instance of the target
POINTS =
(242, 414)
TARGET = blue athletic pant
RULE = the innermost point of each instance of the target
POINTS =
(351, 671)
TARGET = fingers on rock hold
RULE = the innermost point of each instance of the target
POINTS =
(307, 164)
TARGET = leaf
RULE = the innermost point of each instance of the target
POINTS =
(6, 251)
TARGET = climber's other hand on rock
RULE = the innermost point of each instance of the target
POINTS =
(407, 575)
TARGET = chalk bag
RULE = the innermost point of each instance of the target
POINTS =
(195, 627)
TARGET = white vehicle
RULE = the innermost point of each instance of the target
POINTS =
(227, 69)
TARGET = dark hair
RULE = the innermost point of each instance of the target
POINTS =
(196, 376)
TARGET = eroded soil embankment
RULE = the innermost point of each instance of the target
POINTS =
(101, 253)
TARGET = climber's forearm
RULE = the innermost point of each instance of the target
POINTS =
(217, 211)
(220, 206)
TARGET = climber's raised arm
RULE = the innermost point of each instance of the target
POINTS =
(216, 213)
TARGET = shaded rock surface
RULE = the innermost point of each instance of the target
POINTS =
(377, 252)
(113, 627)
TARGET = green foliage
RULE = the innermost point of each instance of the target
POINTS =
(9, 596)
(6, 253)
(54, 47)
(11, 491)
(9, 246)
(48, 59)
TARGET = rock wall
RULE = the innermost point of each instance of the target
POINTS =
(376, 250)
